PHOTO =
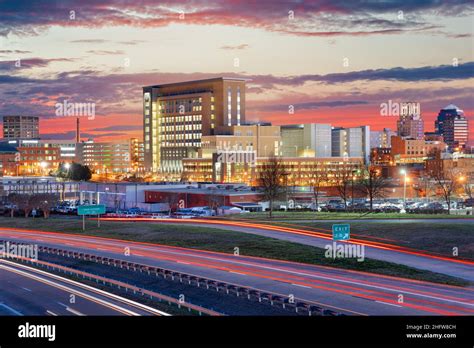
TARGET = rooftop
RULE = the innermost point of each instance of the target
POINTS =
(197, 81)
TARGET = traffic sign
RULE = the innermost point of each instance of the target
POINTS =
(95, 209)
(341, 231)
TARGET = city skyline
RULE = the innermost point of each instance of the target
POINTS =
(333, 62)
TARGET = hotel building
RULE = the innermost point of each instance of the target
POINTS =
(177, 116)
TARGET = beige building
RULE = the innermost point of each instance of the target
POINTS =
(308, 140)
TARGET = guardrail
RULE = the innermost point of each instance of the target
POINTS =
(119, 284)
(286, 302)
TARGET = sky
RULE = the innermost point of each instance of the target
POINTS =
(330, 61)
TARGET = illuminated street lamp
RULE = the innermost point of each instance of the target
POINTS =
(43, 166)
(404, 173)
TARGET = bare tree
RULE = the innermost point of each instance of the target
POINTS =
(46, 201)
(372, 184)
(467, 186)
(172, 199)
(343, 179)
(21, 201)
(317, 179)
(446, 180)
(272, 181)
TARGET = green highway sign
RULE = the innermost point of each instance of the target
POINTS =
(95, 209)
(341, 231)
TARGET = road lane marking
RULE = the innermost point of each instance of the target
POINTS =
(10, 309)
(70, 290)
(237, 273)
(51, 313)
(303, 286)
(83, 286)
(26, 289)
(73, 311)
(390, 304)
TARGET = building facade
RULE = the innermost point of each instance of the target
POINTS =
(106, 157)
(381, 139)
(177, 115)
(20, 127)
(351, 142)
(299, 170)
(410, 126)
(453, 126)
(308, 140)
(414, 150)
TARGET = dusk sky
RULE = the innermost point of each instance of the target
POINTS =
(334, 61)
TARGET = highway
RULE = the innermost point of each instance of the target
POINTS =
(350, 292)
(28, 291)
(376, 249)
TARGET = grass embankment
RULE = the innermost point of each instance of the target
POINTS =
(223, 241)
(308, 215)
(434, 237)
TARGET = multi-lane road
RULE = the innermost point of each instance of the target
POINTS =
(28, 291)
(350, 292)
(377, 249)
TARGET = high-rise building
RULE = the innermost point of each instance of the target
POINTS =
(453, 126)
(351, 142)
(177, 115)
(20, 127)
(308, 140)
(410, 126)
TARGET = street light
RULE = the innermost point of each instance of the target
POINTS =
(43, 166)
(404, 172)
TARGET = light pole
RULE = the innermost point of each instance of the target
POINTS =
(404, 173)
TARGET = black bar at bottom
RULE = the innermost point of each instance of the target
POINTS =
(291, 331)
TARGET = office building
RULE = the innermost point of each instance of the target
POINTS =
(453, 126)
(9, 159)
(351, 142)
(414, 150)
(381, 139)
(106, 157)
(410, 126)
(308, 140)
(20, 127)
(300, 170)
(66, 148)
(177, 115)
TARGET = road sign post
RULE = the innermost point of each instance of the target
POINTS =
(95, 209)
(341, 231)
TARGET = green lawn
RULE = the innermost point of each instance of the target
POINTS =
(223, 241)
(308, 215)
(435, 237)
